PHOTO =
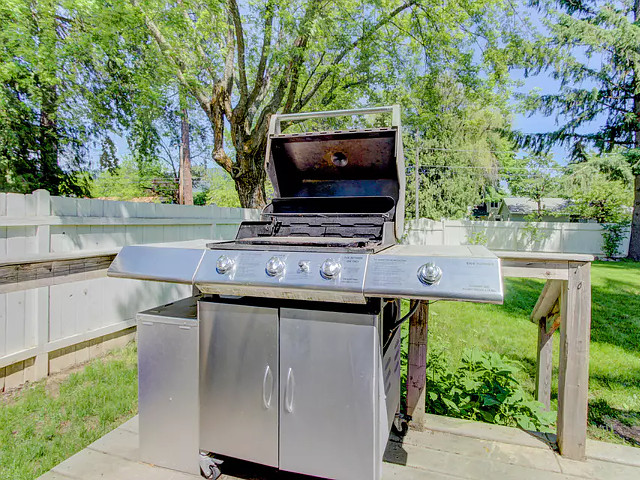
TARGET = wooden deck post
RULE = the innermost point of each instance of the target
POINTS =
(573, 378)
(544, 366)
(417, 366)
(546, 316)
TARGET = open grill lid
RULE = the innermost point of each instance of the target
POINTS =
(344, 163)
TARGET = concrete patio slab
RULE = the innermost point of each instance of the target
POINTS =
(450, 449)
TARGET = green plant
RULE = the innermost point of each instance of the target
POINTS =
(533, 231)
(612, 236)
(483, 387)
(478, 238)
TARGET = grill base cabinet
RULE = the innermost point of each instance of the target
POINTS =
(298, 389)
(305, 390)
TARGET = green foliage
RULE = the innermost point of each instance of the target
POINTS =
(460, 124)
(535, 177)
(222, 191)
(601, 200)
(478, 238)
(600, 188)
(483, 388)
(532, 230)
(132, 180)
(591, 48)
(43, 425)
(613, 234)
(200, 198)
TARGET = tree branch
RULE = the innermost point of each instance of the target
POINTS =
(237, 23)
(386, 19)
(264, 54)
(167, 51)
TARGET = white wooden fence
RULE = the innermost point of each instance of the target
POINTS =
(556, 237)
(48, 328)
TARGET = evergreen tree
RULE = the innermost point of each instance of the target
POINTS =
(593, 49)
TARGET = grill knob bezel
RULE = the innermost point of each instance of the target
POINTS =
(275, 266)
(429, 274)
(224, 264)
(330, 269)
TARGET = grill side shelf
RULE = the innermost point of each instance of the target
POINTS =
(163, 264)
(465, 278)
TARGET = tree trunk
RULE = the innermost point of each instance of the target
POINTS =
(634, 242)
(185, 192)
(250, 185)
(49, 142)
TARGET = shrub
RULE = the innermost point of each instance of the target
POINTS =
(484, 388)
(612, 236)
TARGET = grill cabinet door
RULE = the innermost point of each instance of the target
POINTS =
(328, 387)
(239, 381)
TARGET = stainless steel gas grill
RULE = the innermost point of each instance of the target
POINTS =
(296, 341)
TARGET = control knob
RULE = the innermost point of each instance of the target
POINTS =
(275, 267)
(330, 268)
(429, 273)
(304, 266)
(224, 264)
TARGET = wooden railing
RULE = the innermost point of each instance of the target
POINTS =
(565, 303)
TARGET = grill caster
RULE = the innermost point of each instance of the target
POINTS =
(400, 425)
(209, 466)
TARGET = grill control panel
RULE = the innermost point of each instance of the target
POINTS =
(465, 272)
(298, 275)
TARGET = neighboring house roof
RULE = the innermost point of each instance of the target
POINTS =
(525, 206)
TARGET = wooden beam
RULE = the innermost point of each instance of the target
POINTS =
(417, 366)
(548, 270)
(544, 364)
(573, 379)
(14, 276)
(547, 300)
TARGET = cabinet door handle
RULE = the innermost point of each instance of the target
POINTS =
(267, 392)
(288, 396)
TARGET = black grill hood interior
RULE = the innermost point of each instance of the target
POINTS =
(346, 163)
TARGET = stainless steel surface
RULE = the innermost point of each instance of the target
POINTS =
(329, 421)
(303, 389)
(469, 273)
(250, 275)
(168, 400)
(469, 278)
(176, 265)
(391, 379)
(289, 117)
(239, 395)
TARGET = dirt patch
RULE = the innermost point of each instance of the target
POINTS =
(629, 433)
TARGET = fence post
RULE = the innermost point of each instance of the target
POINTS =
(41, 297)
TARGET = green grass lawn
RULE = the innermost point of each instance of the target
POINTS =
(614, 368)
(51, 420)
